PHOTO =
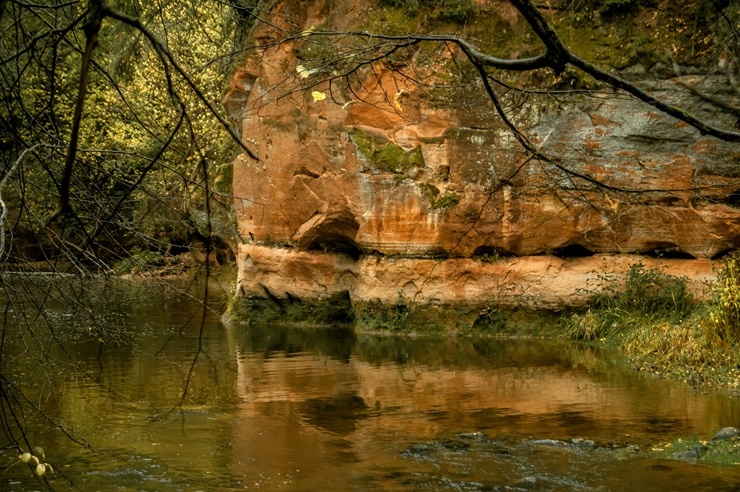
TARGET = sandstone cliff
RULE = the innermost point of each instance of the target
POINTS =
(402, 180)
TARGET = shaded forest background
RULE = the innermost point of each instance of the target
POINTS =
(151, 175)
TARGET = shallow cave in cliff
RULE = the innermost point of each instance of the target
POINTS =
(667, 250)
(722, 254)
(572, 251)
(336, 244)
(733, 199)
(330, 232)
(484, 252)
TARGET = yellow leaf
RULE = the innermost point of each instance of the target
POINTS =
(308, 31)
(302, 71)
(318, 96)
(397, 100)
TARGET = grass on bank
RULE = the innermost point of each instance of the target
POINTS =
(724, 452)
(655, 320)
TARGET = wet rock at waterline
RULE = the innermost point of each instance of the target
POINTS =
(527, 482)
(726, 433)
(722, 449)
(460, 450)
(690, 455)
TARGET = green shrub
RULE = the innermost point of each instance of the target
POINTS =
(651, 291)
(724, 308)
(139, 262)
(645, 295)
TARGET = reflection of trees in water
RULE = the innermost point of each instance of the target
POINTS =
(78, 347)
(480, 352)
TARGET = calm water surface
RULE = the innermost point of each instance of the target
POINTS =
(299, 409)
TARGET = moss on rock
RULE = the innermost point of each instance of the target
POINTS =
(453, 319)
(386, 156)
(725, 452)
(328, 311)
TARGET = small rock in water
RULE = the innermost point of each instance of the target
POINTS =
(527, 482)
(726, 433)
(586, 443)
(547, 442)
(690, 455)
(477, 436)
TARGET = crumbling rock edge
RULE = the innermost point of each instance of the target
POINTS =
(319, 287)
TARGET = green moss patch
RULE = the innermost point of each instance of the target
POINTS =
(438, 200)
(457, 11)
(328, 311)
(403, 318)
(408, 318)
(446, 200)
(722, 452)
(509, 323)
(386, 156)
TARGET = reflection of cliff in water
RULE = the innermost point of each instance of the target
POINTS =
(338, 414)
(317, 398)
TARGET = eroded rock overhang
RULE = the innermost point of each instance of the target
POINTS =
(531, 282)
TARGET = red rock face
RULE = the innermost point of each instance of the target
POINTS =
(385, 170)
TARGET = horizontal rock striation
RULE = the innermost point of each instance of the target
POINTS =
(532, 282)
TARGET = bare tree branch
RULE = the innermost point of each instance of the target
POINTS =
(92, 27)
(3, 207)
(559, 56)
(136, 24)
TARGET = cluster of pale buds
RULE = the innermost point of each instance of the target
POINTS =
(41, 468)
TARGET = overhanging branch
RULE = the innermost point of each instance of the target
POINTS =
(161, 48)
(559, 55)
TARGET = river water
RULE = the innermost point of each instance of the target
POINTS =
(312, 409)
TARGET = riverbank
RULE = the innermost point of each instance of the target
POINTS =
(664, 330)
(683, 352)
(660, 320)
